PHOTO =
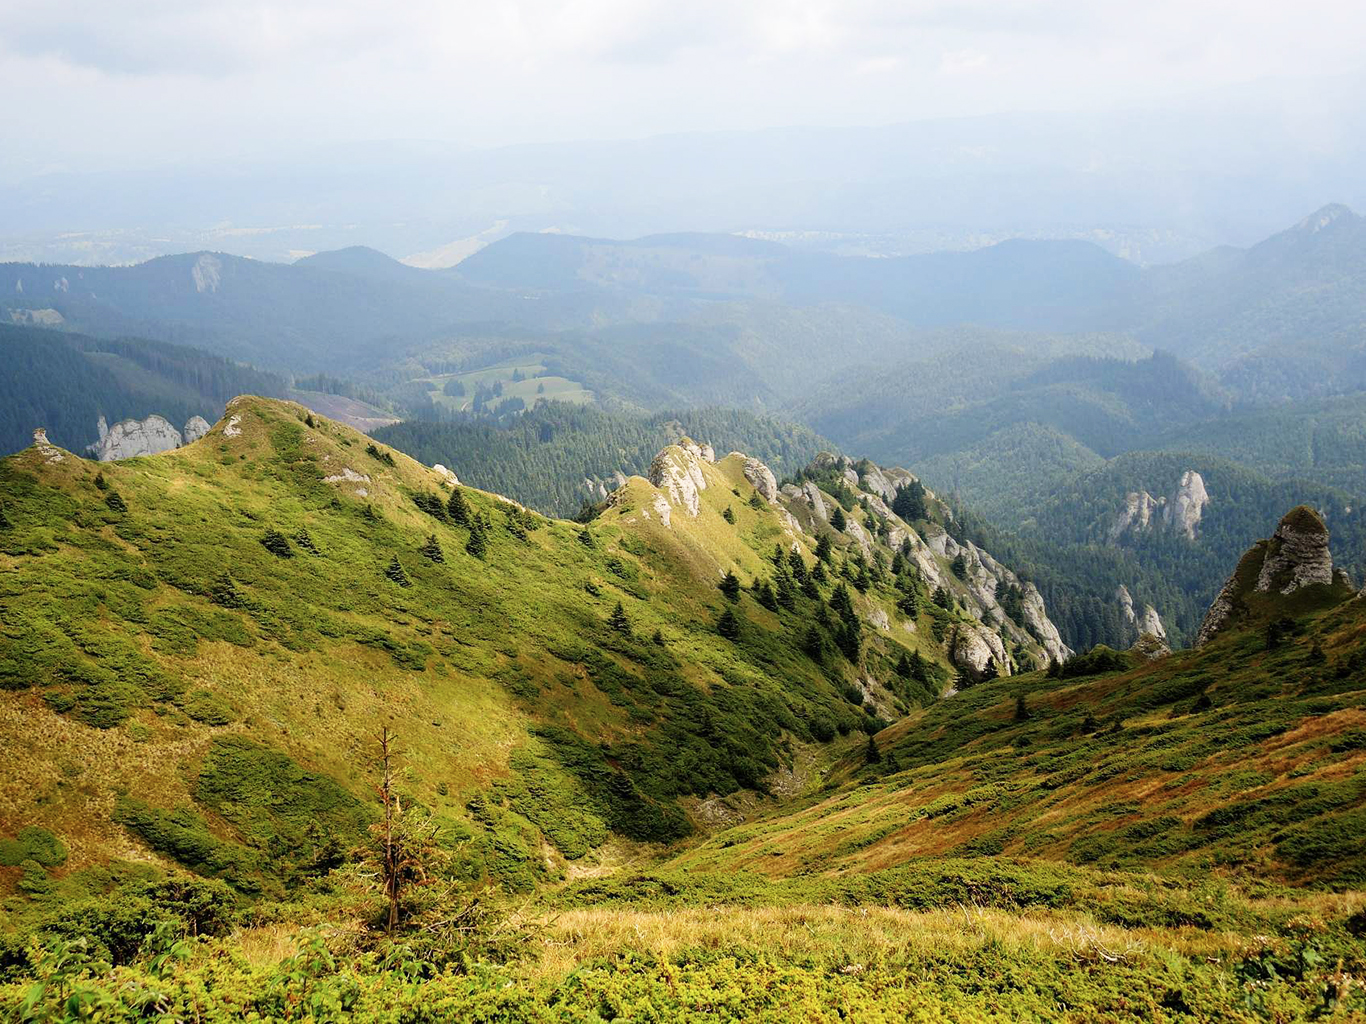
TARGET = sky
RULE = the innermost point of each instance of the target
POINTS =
(109, 83)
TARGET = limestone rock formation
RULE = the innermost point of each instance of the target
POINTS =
(763, 480)
(1180, 513)
(676, 471)
(128, 439)
(195, 428)
(1145, 621)
(1151, 646)
(1296, 557)
(976, 649)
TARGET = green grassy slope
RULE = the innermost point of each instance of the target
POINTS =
(1245, 758)
(229, 615)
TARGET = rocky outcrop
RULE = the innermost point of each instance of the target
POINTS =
(1145, 621)
(976, 651)
(1187, 506)
(1296, 556)
(128, 439)
(676, 472)
(447, 475)
(195, 428)
(812, 493)
(1151, 646)
(763, 480)
(1180, 513)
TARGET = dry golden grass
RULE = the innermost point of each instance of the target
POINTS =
(835, 936)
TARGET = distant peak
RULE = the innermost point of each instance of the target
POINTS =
(1324, 218)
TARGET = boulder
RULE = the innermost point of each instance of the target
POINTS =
(975, 648)
(763, 480)
(677, 472)
(195, 428)
(128, 439)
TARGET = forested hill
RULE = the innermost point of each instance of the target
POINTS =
(66, 382)
(556, 455)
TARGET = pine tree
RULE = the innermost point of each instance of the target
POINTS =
(959, 566)
(618, 620)
(810, 589)
(730, 586)
(457, 509)
(478, 544)
(903, 666)
(838, 520)
(100, 484)
(305, 541)
(728, 625)
(822, 549)
(728, 515)
(813, 643)
(115, 502)
(224, 592)
(763, 593)
(658, 638)
(871, 754)
(514, 523)
(1022, 713)
(918, 670)
(818, 572)
(586, 538)
(797, 565)
(277, 544)
(395, 572)
(432, 549)
(756, 502)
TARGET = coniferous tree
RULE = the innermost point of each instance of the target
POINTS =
(813, 643)
(903, 666)
(432, 549)
(305, 541)
(728, 515)
(586, 538)
(728, 625)
(756, 502)
(618, 620)
(763, 593)
(872, 755)
(457, 509)
(478, 543)
(658, 638)
(838, 520)
(919, 672)
(797, 565)
(823, 548)
(395, 572)
(730, 586)
(277, 544)
(115, 502)
(942, 598)
(514, 523)
(959, 566)
(809, 587)
(818, 573)
(1022, 712)
(100, 484)
(224, 592)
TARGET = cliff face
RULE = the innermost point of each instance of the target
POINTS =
(128, 439)
(1295, 558)
(1179, 513)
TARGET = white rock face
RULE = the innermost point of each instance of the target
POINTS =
(206, 273)
(860, 536)
(347, 476)
(763, 480)
(879, 619)
(195, 428)
(1145, 621)
(661, 507)
(676, 472)
(974, 648)
(814, 499)
(233, 428)
(1297, 555)
(128, 439)
(1037, 622)
(875, 482)
(49, 451)
(1183, 513)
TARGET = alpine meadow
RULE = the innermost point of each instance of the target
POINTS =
(631, 512)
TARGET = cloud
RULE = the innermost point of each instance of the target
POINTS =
(157, 78)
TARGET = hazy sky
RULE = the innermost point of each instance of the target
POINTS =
(95, 82)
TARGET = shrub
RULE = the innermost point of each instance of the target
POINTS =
(277, 544)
